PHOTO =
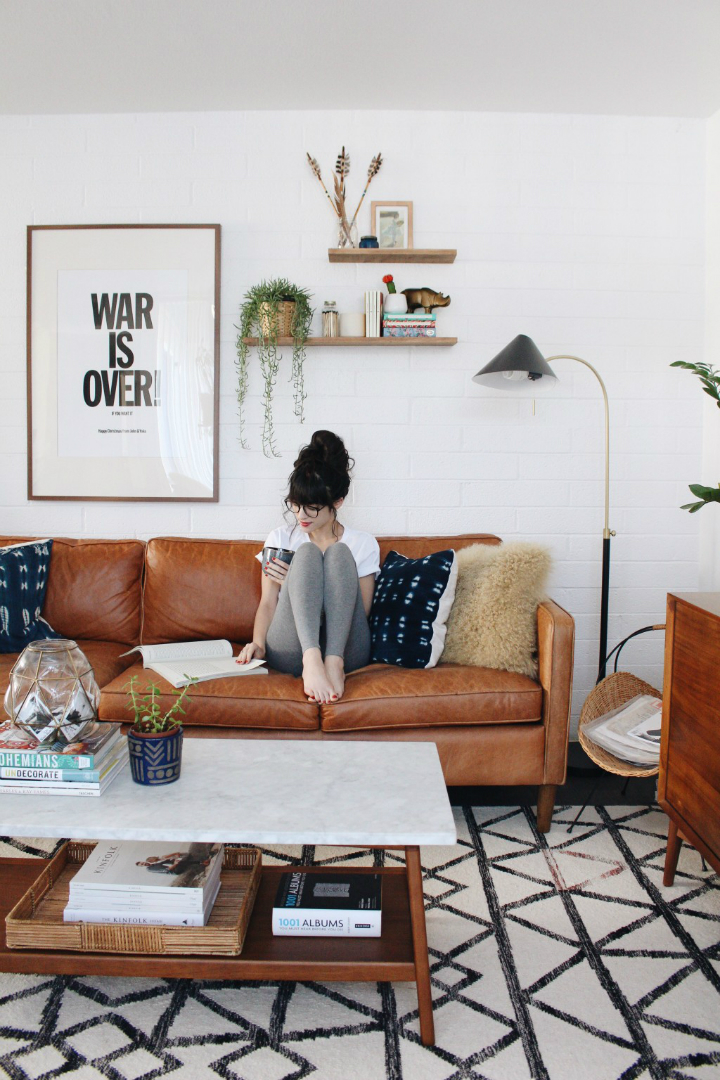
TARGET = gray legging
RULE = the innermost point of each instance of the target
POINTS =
(318, 582)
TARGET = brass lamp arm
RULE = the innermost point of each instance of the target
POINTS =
(607, 531)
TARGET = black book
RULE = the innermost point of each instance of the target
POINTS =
(328, 905)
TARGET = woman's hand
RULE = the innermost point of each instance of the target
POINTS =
(251, 651)
(277, 570)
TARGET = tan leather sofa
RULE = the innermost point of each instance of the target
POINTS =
(490, 727)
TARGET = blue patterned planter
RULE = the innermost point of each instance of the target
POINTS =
(155, 759)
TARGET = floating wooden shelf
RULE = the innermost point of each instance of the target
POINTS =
(345, 341)
(392, 255)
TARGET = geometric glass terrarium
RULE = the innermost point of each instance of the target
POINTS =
(52, 694)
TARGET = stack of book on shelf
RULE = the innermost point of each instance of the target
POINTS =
(328, 905)
(56, 767)
(418, 324)
(373, 312)
(631, 732)
(162, 883)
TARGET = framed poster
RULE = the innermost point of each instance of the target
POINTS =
(123, 336)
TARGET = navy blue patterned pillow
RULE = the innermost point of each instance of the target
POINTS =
(23, 580)
(410, 608)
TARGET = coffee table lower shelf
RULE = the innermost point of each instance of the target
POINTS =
(389, 958)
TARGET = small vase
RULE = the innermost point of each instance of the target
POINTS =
(395, 304)
(343, 239)
(156, 756)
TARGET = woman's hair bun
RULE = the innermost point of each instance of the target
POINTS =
(328, 448)
(322, 471)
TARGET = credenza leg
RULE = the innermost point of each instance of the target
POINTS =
(674, 843)
(420, 949)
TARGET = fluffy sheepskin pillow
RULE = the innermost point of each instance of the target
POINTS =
(493, 621)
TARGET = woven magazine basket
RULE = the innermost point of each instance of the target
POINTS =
(615, 690)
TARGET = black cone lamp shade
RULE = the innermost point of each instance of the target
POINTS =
(520, 362)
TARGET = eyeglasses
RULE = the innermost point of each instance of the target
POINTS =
(311, 511)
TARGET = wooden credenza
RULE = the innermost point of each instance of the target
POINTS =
(689, 785)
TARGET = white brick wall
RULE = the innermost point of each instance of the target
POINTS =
(584, 232)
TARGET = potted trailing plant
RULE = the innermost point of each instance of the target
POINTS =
(273, 309)
(155, 738)
(710, 379)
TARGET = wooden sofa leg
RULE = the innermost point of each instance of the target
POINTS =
(545, 806)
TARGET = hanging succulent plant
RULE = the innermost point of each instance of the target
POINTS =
(272, 309)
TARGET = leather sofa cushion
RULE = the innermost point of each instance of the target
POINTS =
(382, 696)
(104, 657)
(272, 701)
(417, 547)
(211, 588)
(94, 589)
(200, 589)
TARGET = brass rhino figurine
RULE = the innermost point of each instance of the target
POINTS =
(425, 298)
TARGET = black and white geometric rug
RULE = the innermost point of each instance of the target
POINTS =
(557, 957)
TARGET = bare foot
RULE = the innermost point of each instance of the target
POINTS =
(335, 670)
(316, 683)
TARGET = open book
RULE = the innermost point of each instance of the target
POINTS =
(182, 661)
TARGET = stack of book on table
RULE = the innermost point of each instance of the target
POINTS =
(631, 732)
(328, 905)
(56, 767)
(419, 324)
(161, 883)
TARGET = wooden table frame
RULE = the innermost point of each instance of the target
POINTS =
(399, 955)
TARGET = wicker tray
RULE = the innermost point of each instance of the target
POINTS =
(615, 690)
(36, 921)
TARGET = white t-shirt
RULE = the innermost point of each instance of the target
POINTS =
(364, 547)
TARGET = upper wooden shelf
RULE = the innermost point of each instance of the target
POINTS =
(392, 255)
(391, 341)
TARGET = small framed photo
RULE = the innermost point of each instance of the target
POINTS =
(123, 352)
(392, 223)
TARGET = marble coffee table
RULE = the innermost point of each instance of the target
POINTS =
(260, 791)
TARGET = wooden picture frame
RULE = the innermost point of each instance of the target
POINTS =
(401, 229)
(123, 362)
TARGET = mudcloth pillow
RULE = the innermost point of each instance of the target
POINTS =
(23, 580)
(410, 607)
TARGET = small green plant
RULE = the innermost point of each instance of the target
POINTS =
(259, 312)
(710, 379)
(149, 717)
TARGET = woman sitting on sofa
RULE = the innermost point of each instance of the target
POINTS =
(312, 619)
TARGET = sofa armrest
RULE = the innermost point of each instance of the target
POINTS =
(556, 639)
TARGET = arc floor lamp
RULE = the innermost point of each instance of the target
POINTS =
(521, 363)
